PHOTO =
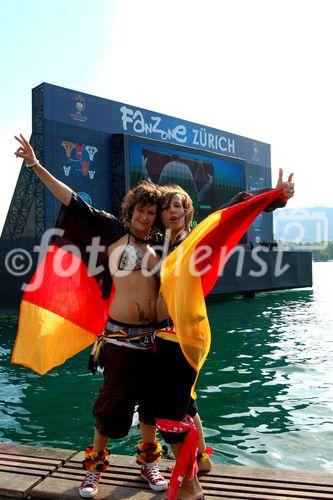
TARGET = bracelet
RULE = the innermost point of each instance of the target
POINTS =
(33, 164)
(201, 457)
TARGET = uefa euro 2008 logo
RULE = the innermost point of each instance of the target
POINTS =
(80, 106)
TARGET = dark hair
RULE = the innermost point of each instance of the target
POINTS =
(146, 193)
(168, 192)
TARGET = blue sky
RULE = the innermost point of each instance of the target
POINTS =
(259, 69)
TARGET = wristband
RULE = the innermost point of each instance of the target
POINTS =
(33, 164)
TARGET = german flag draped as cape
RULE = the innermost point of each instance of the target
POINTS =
(63, 316)
(185, 283)
(60, 316)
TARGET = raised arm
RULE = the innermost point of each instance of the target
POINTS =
(57, 188)
(287, 189)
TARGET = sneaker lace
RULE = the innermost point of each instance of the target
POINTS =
(153, 472)
(91, 478)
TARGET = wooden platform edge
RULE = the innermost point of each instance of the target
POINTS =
(23, 467)
(32, 472)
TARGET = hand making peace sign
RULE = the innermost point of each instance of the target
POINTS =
(287, 187)
(25, 151)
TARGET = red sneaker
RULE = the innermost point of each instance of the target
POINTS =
(89, 485)
(151, 473)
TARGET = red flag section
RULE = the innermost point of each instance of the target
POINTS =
(60, 315)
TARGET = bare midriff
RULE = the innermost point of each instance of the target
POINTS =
(135, 292)
(135, 298)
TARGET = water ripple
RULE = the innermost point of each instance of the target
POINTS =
(265, 393)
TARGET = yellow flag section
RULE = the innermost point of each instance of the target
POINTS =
(59, 316)
(46, 339)
(187, 276)
(182, 291)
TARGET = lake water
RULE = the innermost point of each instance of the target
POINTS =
(265, 394)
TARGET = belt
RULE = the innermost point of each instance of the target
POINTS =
(118, 329)
(166, 330)
(165, 323)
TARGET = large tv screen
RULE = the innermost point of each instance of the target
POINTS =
(209, 179)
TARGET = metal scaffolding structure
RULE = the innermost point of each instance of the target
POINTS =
(118, 177)
(25, 218)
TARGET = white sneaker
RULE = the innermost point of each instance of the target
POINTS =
(151, 473)
(89, 485)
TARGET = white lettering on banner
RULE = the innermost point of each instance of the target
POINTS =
(134, 120)
(213, 141)
(126, 116)
(195, 138)
(138, 122)
(222, 140)
(231, 145)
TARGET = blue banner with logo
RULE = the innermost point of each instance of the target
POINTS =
(91, 112)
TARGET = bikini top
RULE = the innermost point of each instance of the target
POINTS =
(131, 258)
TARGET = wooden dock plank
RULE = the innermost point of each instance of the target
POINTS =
(258, 482)
(223, 478)
(279, 475)
(248, 490)
(57, 474)
(36, 451)
(52, 488)
(262, 477)
(123, 480)
(225, 495)
(29, 462)
(216, 482)
(123, 476)
(233, 471)
(13, 485)
(258, 492)
(227, 481)
(57, 487)
(27, 471)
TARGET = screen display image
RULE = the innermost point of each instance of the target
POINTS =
(209, 180)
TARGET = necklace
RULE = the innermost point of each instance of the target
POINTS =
(137, 238)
